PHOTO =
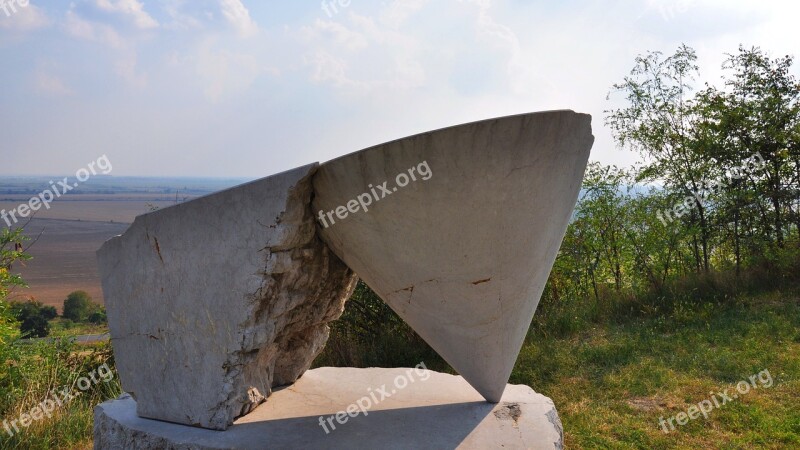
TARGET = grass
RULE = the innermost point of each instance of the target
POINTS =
(613, 382)
(31, 373)
(611, 379)
(614, 372)
(61, 327)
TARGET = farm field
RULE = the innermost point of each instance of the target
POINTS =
(63, 259)
(96, 208)
(65, 237)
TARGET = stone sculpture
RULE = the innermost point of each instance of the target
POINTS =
(463, 256)
(215, 301)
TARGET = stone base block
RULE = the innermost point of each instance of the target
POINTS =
(355, 408)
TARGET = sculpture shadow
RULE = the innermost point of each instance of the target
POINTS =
(425, 427)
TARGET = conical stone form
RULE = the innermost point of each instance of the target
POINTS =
(462, 244)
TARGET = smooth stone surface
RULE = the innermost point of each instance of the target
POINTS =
(462, 257)
(214, 301)
(435, 411)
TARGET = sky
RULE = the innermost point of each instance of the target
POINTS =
(245, 88)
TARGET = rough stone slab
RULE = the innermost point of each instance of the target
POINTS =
(214, 301)
(462, 257)
(436, 411)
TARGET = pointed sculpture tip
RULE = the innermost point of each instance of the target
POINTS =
(492, 395)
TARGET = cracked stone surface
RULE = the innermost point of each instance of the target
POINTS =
(432, 411)
(214, 302)
(462, 257)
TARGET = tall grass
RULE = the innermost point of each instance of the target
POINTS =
(566, 315)
(33, 372)
(370, 334)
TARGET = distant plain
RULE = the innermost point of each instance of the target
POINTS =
(65, 237)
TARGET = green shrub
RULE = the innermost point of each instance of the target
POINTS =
(77, 306)
(24, 310)
(98, 317)
(35, 327)
(33, 318)
(48, 312)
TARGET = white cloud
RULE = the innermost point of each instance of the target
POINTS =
(329, 68)
(223, 72)
(523, 75)
(125, 63)
(341, 35)
(399, 10)
(22, 18)
(239, 17)
(131, 8)
(126, 68)
(359, 56)
(46, 83)
(180, 20)
(401, 73)
(78, 27)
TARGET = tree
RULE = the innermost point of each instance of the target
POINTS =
(658, 123)
(77, 306)
(9, 254)
(98, 317)
(600, 223)
(759, 113)
(35, 327)
(25, 310)
(8, 324)
(33, 317)
(48, 312)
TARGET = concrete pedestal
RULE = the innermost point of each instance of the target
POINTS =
(355, 408)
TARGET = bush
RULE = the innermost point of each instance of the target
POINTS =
(35, 327)
(33, 318)
(98, 317)
(77, 306)
(24, 310)
(8, 329)
(48, 312)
